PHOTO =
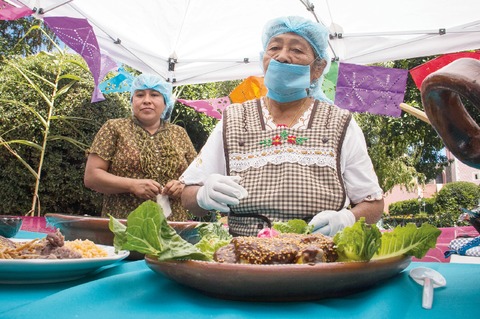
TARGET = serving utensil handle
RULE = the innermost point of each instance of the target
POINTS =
(427, 298)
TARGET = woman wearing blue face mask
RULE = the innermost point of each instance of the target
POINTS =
(290, 155)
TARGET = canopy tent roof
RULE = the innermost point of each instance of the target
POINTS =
(199, 41)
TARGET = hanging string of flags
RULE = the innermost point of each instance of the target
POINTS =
(358, 88)
(376, 90)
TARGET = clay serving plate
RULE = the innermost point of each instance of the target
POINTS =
(96, 229)
(279, 282)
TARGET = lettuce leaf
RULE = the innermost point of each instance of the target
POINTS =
(408, 240)
(362, 242)
(296, 226)
(148, 232)
(213, 236)
(358, 242)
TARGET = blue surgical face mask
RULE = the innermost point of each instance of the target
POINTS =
(287, 82)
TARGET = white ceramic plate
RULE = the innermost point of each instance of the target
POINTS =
(37, 271)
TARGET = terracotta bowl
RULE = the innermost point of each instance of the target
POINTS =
(10, 225)
(279, 282)
(96, 229)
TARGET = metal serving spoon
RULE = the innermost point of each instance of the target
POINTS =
(429, 279)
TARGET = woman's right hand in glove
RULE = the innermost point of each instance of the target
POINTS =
(219, 191)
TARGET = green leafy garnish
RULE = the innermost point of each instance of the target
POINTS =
(213, 236)
(296, 226)
(362, 242)
(408, 240)
(358, 242)
(148, 232)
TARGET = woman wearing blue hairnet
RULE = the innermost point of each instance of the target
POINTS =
(290, 155)
(135, 159)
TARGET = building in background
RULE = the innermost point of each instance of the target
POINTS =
(455, 172)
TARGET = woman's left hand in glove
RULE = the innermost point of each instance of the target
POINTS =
(329, 222)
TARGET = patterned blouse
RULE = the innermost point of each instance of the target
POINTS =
(135, 153)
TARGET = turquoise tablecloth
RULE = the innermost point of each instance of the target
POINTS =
(132, 290)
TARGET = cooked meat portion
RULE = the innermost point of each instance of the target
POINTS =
(226, 254)
(52, 247)
(282, 249)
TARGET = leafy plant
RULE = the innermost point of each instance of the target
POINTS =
(49, 89)
(451, 198)
(296, 226)
(358, 242)
(408, 240)
(148, 232)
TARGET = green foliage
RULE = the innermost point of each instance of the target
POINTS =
(198, 125)
(61, 189)
(390, 222)
(412, 206)
(441, 210)
(17, 37)
(75, 120)
(452, 197)
(405, 150)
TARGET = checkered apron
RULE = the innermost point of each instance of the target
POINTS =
(288, 173)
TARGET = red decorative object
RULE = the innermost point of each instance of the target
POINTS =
(420, 72)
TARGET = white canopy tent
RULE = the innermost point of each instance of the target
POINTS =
(198, 41)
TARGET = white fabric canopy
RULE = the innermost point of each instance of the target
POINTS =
(216, 40)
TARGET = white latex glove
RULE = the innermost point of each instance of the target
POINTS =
(219, 191)
(329, 222)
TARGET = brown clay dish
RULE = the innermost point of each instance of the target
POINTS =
(96, 229)
(279, 282)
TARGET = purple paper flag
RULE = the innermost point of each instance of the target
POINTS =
(79, 36)
(10, 12)
(371, 89)
(107, 65)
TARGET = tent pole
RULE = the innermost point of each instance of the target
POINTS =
(415, 112)
(310, 7)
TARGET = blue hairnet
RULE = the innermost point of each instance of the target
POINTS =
(156, 83)
(315, 33)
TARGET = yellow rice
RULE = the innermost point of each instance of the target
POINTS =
(87, 248)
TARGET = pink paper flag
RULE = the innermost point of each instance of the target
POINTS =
(11, 12)
(372, 89)
(79, 36)
(210, 107)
